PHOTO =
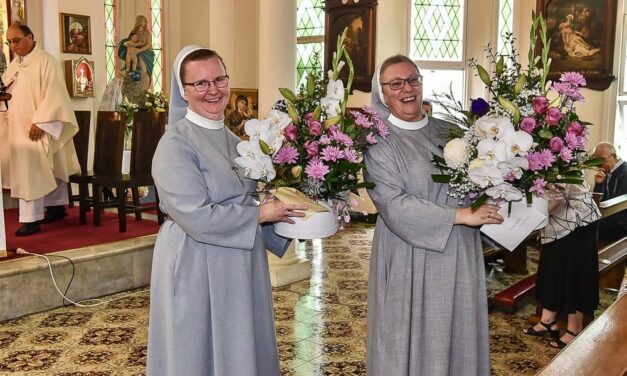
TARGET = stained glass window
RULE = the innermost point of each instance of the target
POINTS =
(110, 39)
(157, 44)
(506, 10)
(310, 39)
(437, 30)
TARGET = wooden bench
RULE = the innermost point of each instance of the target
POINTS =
(600, 349)
(612, 260)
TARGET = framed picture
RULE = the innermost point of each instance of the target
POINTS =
(359, 16)
(582, 38)
(243, 106)
(75, 34)
(18, 11)
(79, 77)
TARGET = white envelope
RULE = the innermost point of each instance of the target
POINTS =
(520, 222)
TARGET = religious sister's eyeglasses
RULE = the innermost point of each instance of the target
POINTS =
(399, 83)
(203, 85)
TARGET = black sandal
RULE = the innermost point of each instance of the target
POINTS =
(559, 344)
(553, 333)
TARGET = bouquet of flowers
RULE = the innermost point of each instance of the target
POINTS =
(525, 138)
(129, 108)
(155, 101)
(309, 143)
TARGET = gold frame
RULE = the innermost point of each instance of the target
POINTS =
(67, 46)
(77, 87)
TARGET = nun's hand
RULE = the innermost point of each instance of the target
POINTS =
(278, 211)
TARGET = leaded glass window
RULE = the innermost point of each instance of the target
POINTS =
(310, 39)
(506, 20)
(157, 44)
(437, 30)
(110, 39)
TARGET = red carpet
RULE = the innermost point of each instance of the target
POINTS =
(69, 233)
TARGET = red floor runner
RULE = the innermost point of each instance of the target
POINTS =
(69, 233)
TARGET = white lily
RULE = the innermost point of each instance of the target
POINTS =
(504, 191)
(492, 150)
(494, 127)
(518, 142)
(514, 166)
(484, 173)
(330, 106)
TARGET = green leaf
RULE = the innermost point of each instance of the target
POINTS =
(546, 134)
(332, 121)
(478, 202)
(499, 66)
(440, 178)
(287, 94)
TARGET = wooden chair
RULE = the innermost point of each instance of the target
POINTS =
(82, 179)
(148, 127)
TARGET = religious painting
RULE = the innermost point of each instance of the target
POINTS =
(18, 11)
(75, 34)
(582, 38)
(243, 106)
(79, 77)
(359, 18)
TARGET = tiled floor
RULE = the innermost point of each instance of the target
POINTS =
(320, 324)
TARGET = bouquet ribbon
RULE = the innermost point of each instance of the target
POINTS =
(293, 196)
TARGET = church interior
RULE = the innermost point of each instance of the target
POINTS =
(75, 296)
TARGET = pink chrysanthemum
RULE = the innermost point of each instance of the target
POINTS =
(371, 139)
(331, 153)
(540, 160)
(566, 155)
(350, 155)
(286, 155)
(538, 186)
(341, 137)
(316, 170)
(573, 78)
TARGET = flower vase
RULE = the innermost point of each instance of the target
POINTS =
(316, 226)
(539, 204)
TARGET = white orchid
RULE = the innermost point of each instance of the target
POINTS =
(494, 127)
(264, 130)
(257, 167)
(513, 167)
(279, 120)
(504, 191)
(484, 173)
(518, 142)
(492, 150)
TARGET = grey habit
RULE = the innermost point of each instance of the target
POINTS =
(427, 304)
(210, 299)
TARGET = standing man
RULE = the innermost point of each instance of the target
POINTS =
(39, 155)
(611, 180)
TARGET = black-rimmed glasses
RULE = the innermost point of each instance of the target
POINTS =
(399, 83)
(203, 85)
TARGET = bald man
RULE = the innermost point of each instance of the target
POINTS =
(611, 180)
(39, 155)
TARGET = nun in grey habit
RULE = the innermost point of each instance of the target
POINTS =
(427, 305)
(210, 299)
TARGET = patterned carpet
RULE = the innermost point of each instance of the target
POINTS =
(320, 323)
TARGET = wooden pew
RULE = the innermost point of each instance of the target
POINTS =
(600, 349)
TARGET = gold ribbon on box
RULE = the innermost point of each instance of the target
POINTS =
(293, 196)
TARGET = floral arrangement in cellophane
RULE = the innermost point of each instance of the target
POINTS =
(310, 143)
(525, 138)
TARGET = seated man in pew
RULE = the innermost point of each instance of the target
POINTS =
(611, 181)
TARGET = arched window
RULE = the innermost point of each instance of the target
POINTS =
(156, 21)
(310, 39)
(110, 39)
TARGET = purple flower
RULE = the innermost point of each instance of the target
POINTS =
(566, 155)
(539, 160)
(569, 91)
(528, 124)
(479, 107)
(341, 137)
(371, 139)
(350, 155)
(361, 119)
(571, 140)
(316, 170)
(331, 153)
(538, 186)
(573, 78)
(556, 144)
(576, 128)
(325, 140)
(315, 128)
(371, 111)
(287, 155)
(382, 128)
(553, 116)
(311, 147)
(291, 132)
(540, 104)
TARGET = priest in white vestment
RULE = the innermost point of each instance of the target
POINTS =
(38, 154)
